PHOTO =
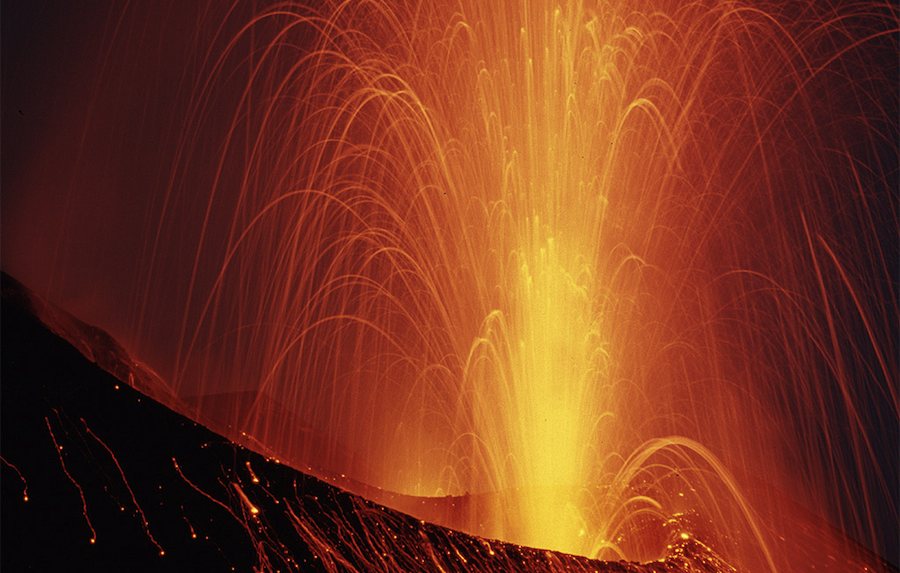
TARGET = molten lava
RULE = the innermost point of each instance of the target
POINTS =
(606, 270)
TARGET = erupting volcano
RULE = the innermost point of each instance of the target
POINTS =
(607, 278)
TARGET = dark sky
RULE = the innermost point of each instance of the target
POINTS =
(95, 95)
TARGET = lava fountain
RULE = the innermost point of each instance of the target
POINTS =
(619, 271)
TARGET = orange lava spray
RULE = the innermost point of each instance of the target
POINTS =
(619, 271)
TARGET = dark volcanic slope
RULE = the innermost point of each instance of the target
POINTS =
(98, 477)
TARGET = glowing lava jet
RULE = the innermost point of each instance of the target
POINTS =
(619, 271)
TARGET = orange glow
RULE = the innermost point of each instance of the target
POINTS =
(20, 476)
(144, 523)
(611, 273)
(62, 463)
(253, 477)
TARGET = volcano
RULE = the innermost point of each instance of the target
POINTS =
(100, 476)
